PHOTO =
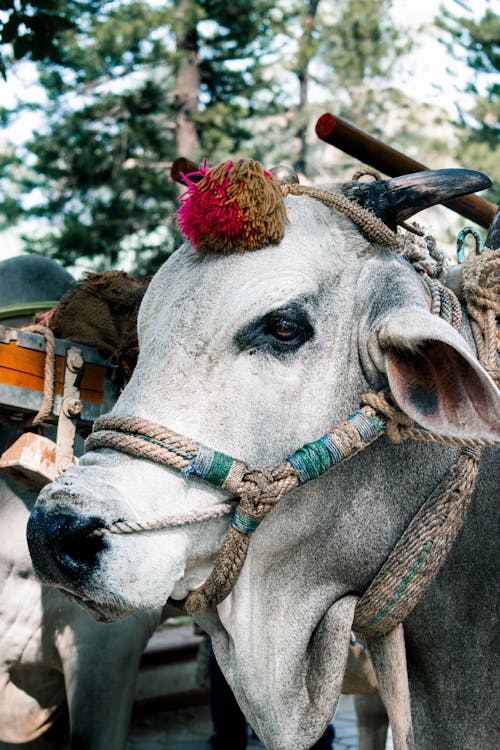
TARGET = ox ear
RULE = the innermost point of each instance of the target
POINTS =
(435, 379)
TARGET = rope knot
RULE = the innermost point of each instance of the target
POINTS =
(259, 489)
(397, 422)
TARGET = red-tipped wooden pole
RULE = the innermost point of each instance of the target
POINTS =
(369, 150)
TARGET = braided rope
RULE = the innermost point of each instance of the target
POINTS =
(366, 171)
(400, 427)
(481, 284)
(422, 550)
(181, 519)
(140, 437)
(422, 252)
(259, 488)
(445, 304)
(365, 220)
(423, 547)
(49, 373)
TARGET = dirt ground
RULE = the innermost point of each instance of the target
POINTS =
(189, 729)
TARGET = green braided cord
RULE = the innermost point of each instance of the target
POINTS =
(412, 572)
(242, 522)
(220, 468)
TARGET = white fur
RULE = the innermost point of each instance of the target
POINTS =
(281, 637)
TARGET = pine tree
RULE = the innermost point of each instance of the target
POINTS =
(346, 53)
(478, 43)
(138, 86)
(34, 28)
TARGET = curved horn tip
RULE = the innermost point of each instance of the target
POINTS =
(398, 198)
(478, 180)
(454, 178)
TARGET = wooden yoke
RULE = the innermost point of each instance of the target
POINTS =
(369, 150)
(83, 391)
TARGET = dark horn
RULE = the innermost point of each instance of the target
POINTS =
(397, 199)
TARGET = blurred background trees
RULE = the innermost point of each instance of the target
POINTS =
(125, 86)
(478, 42)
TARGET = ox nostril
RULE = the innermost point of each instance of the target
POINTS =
(80, 549)
(63, 544)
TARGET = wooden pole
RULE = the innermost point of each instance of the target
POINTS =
(369, 150)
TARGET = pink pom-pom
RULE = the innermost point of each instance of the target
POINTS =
(234, 206)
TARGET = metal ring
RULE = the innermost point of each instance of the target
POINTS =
(461, 242)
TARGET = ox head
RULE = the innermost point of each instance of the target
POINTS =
(254, 354)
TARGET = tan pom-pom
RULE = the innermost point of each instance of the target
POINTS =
(234, 207)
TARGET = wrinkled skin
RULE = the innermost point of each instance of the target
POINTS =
(211, 368)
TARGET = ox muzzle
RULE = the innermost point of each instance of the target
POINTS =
(63, 547)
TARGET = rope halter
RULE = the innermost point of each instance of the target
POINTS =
(259, 489)
(420, 552)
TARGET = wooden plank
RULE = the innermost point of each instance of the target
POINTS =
(25, 368)
(31, 459)
(33, 383)
(93, 378)
(28, 361)
(27, 380)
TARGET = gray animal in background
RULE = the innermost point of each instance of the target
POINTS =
(254, 355)
(30, 278)
(51, 651)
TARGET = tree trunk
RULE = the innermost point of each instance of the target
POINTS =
(305, 54)
(187, 80)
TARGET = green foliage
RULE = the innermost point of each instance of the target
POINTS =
(103, 172)
(361, 46)
(134, 84)
(99, 170)
(478, 43)
(35, 28)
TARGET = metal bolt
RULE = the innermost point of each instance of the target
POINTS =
(72, 406)
(284, 175)
(74, 359)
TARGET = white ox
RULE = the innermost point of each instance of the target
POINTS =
(255, 354)
(51, 653)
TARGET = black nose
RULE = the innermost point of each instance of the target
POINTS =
(63, 546)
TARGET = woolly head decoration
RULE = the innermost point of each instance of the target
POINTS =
(231, 208)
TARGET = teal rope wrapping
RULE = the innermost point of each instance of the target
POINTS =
(312, 460)
(220, 468)
(210, 465)
(243, 523)
(367, 427)
(201, 463)
(316, 458)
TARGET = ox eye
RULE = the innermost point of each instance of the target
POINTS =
(283, 329)
(279, 332)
